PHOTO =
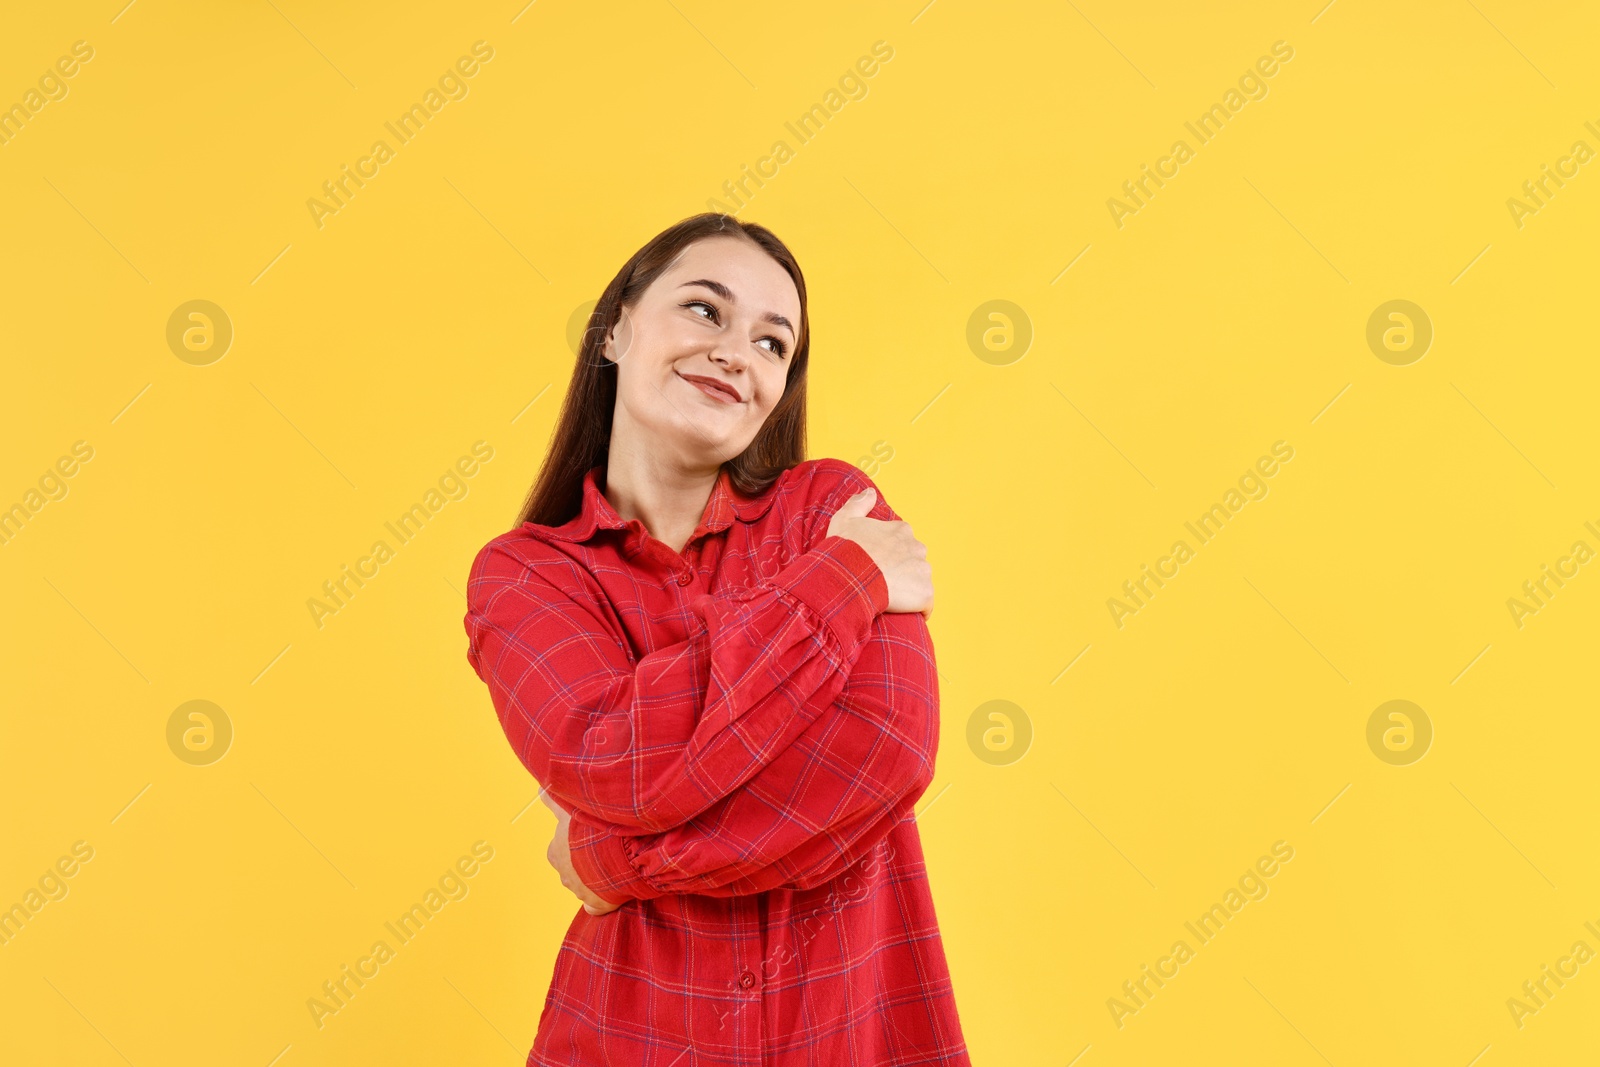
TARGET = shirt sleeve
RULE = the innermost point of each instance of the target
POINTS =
(815, 810)
(650, 743)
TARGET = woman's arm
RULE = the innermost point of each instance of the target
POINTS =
(649, 745)
(816, 809)
(818, 861)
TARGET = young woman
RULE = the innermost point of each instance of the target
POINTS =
(713, 654)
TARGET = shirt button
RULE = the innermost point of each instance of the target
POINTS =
(747, 979)
(685, 577)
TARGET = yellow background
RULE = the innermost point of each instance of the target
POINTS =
(1229, 313)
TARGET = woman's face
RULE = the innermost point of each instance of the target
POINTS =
(703, 356)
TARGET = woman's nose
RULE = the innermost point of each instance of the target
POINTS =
(727, 352)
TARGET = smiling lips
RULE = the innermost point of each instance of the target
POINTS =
(714, 388)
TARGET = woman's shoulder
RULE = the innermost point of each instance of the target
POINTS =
(823, 478)
(522, 555)
(819, 486)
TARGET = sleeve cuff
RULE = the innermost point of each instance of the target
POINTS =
(601, 861)
(839, 581)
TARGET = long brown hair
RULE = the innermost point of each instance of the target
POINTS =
(582, 436)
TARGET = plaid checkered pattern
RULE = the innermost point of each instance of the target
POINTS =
(740, 731)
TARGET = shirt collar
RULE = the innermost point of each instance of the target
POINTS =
(595, 512)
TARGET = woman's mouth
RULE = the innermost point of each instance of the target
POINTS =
(714, 388)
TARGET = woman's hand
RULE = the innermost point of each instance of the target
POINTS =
(560, 857)
(900, 556)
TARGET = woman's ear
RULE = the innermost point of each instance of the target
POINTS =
(619, 338)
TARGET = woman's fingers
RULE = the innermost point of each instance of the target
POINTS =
(859, 504)
(559, 857)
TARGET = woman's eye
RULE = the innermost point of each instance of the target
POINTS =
(778, 347)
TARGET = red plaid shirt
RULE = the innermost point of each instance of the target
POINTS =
(740, 732)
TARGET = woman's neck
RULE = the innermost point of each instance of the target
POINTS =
(666, 498)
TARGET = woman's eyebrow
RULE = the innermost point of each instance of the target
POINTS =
(727, 294)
